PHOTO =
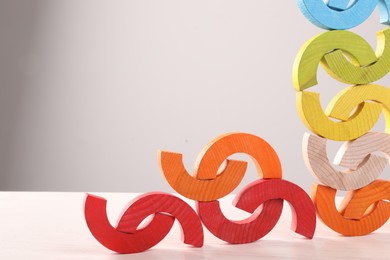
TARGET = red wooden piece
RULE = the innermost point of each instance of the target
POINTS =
(141, 240)
(251, 229)
(153, 202)
(303, 210)
(266, 192)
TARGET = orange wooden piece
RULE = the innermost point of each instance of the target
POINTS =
(324, 197)
(160, 202)
(215, 153)
(200, 190)
(361, 202)
(206, 185)
(303, 211)
(142, 239)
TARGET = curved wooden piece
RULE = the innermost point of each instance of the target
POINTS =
(352, 153)
(338, 15)
(172, 167)
(316, 159)
(323, 198)
(338, 4)
(215, 153)
(341, 69)
(142, 239)
(251, 229)
(159, 202)
(259, 191)
(356, 203)
(313, 51)
(312, 115)
(347, 99)
(206, 185)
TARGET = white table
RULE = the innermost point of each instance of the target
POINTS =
(44, 225)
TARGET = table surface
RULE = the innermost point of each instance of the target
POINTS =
(51, 225)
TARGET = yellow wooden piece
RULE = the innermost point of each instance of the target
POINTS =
(312, 115)
(337, 66)
(366, 170)
(312, 52)
(345, 101)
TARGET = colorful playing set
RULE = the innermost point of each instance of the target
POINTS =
(346, 57)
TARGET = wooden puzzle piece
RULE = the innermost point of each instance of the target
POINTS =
(312, 53)
(338, 15)
(140, 240)
(358, 203)
(352, 153)
(365, 171)
(324, 200)
(178, 178)
(340, 68)
(314, 118)
(302, 208)
(345, 101)
(251, 229)
(206, 185)
(338, 4)
(158, 202)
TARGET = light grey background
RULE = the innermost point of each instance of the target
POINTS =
(90, 90)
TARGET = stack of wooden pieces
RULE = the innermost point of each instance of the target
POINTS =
(348, 58)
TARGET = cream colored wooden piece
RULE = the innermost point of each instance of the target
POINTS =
(352, 153)
(316, 159)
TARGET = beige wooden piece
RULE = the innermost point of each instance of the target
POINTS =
(316, 159)
(352, 153)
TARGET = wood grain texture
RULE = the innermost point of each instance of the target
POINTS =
(338, 4)
(159, 202)
(182, 182)
(359, 203)
(354, 152)
(312, 53)
(340, 68)
(206, 185)
(364, 171)
(337, 16)
(345, 101)
(323, 198)
(314, 118)
(248, 230)
(302, 208)
(140, 240)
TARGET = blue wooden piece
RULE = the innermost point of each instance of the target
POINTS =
(327, 14)
(339, 4)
